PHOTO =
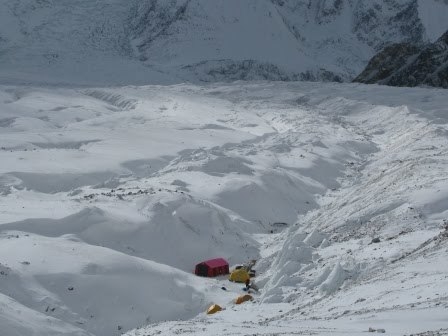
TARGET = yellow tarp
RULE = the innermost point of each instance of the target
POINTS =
(213, 309)
(243, 298)
(239, 275)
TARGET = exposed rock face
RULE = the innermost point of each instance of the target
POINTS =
(385, 63)
(429, 68)
(229, 70)
(379, 23)
(406, 64)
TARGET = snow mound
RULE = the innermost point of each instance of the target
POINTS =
(17, 319)
(172, 229)
(92, 286)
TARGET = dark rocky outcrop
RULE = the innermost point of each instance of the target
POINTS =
(230, 70)
(405, 64)
(386, 63)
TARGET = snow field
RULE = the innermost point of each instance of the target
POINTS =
(118, 192)
(334, 278)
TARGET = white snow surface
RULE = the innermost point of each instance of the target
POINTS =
(109, 196)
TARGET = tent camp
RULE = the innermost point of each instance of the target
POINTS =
(212, 267)
(214, 309)
(239, 275)
(243, 298)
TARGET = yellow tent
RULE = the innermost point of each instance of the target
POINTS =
(239, 275)
(243, 298)
(213, 309)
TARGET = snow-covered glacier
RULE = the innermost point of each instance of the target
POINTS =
(154, 41)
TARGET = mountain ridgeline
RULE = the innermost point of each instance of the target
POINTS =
(160, 41)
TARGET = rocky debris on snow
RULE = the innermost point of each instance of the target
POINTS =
(444, 233)
(403, 232)
(375, 240)
(439, 332)
(249, 69)
(4, 270)
(48, 309)
(382, 331)
(122, 193)
(439, 238)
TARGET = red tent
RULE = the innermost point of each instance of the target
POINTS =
(212, 267)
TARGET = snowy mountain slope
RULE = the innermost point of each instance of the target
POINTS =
(17, 319)
(68, 41)
(127, 173)
(327, 273)
(409, 65)
(110, 195)
(159, 42)
(101, 186)
(378, 198)
(92, 287)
